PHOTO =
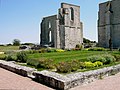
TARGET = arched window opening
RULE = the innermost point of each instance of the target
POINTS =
(50, 36)
(49, 25)
(71, 13)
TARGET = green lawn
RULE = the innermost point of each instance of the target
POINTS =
(65, 56)
(8, 48)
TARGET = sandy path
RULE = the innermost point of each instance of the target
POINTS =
(12, 81)
(108, 83)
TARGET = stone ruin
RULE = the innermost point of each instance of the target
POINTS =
(63, 30)
(109, 24)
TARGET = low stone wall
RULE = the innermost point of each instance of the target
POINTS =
(59, 81)
(65, 82)
(22, 70)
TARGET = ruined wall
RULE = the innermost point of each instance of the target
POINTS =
(116, 23)
(69, 16)
(48, 30)
(66, 28)
(109, 24)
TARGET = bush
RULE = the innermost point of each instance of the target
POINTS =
(96, 49)
(78, 47)
(109, 59)
(66, 67)
(96, 58)
(46, 63)
(60, 50)
(41, 63)
(98, 63)
(22, 57)
(105, 59)
(31, 51)
(10, 58)
(33, 62)
(2, 56)
(89, 64)
(42, 50)
(51, 50)
(63, 67)
(117, 57)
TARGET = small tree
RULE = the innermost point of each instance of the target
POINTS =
(16, 42)
(86, 40)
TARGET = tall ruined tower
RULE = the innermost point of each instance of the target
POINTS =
(63, 30)
(109, 24)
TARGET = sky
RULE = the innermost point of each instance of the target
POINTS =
(20, 19)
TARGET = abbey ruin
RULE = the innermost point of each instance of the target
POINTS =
(109, 24)
(63, 30)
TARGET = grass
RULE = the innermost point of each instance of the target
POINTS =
(66, 56)
(58, 57)
(8, 48)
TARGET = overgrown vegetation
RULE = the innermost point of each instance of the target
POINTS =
(105, 59)
(64, 61)
(22, 56)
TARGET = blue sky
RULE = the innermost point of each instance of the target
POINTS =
(20, 19)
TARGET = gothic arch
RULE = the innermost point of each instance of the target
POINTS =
(71, 13)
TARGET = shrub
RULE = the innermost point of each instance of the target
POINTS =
(22, 56)
(51, 50)
(31, 51)
(42, 50)
(98, 63)
(63, 67)
(75, 65)
(105, 59)
(100, 49)
(89, 64)
(33, 62)
(2, 56)
(60, 50)
(117, 57)
(96, 49)
(96, 58)
(41, 63)
(66, 67)
(109, 58)
(46, 63)
(78, 47)
(10, 57)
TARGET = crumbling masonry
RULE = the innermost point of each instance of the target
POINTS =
(63, 30)
(109, 24)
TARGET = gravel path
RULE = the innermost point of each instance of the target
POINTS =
(108, 83)
(12, 81)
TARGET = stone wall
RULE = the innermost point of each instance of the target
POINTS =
(109, 24)
(61, 81)
(48, 26)
(22, 70)
(68, 81)
(66, 28)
